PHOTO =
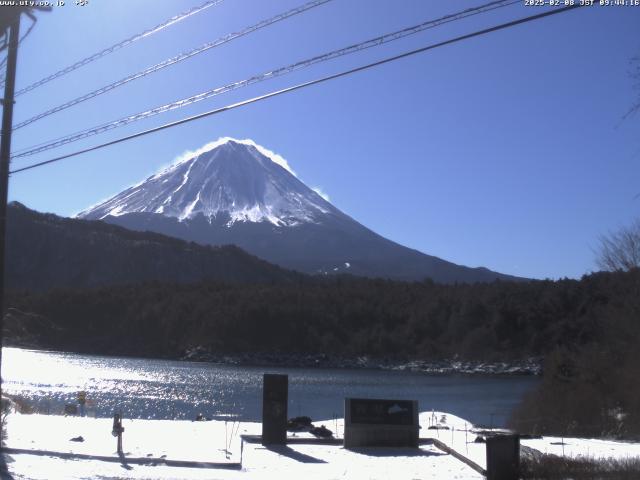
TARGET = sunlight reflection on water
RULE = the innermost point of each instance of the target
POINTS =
(162, 389)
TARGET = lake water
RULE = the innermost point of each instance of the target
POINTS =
(162, 389)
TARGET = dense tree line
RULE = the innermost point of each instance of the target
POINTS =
(343, 315)
(588, 330)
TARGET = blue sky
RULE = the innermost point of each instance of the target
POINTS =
(507, 151)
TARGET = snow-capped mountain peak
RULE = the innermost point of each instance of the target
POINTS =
(238, 178)
(236, 192)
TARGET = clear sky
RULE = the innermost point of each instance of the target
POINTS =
(507, 151)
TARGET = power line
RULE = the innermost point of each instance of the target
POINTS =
(3, 44)
(374, 42)
(29, 30)
(173, 60)
(4, 59)
(303, 85)
(119, 45)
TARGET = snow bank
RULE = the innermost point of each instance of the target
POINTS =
(220, 442)
(584, 447)
(205, 442)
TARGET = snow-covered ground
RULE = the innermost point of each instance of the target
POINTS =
(584, 447)
(176, 440)
(219, 442)
(205, 442)
(463, 435)
(456, 433)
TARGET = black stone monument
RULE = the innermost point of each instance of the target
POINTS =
(275, 395)
(380, 423)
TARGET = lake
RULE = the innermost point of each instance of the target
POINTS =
(163, 389)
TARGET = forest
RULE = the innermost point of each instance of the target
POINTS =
(587, 330)
(341, 315)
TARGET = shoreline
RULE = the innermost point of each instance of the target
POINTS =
(531, 366)
(523, 367)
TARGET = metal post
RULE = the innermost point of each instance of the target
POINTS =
(5, 152)
(117, 431)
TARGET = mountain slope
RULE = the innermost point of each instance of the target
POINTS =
(44, 251)
(232, 178)
(236, 192)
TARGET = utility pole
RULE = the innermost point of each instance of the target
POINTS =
(13, 25)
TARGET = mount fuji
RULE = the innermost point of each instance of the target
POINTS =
(238, 192)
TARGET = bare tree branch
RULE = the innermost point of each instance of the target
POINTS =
(634, 73)
(620, 250)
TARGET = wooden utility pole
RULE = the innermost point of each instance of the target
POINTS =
(13, 25)
(9, 23)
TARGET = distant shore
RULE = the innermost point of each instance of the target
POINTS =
(530, 366)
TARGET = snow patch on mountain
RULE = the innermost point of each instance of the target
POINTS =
(274, 157)
(235, 178)
(322, 193)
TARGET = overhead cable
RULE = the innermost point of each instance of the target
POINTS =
(173, 60)
(139, 36)
(374, 42)
(4, 59)
(303, 85)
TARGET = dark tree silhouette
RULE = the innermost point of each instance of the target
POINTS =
(620, 251)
